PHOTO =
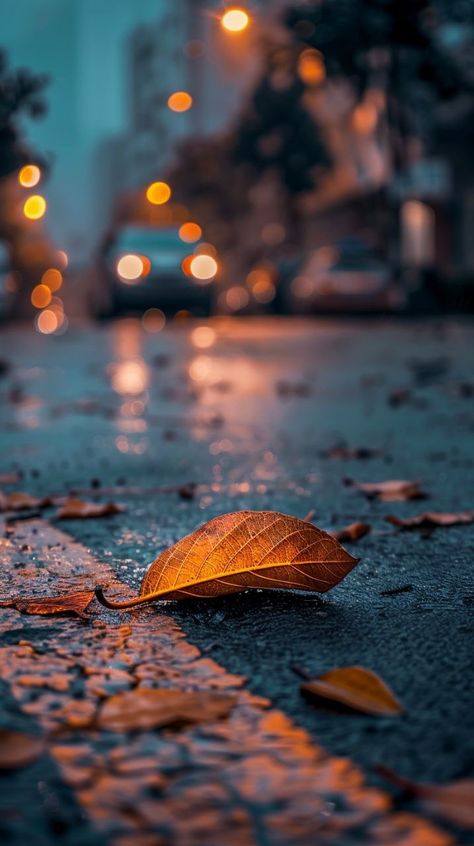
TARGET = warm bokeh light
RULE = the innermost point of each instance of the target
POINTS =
(40, 296)
(130, 268)
(47, 322)
(236, 298)
(203, 267)
(146, 265)
(158, 193)
(180, 101)
(311, 68)
(263, 291)
(153, 320)
(203, 337)
(190, 232)
(235, 20)
(34, 207)
(130, 377)
(186, 265)
(52, 278)
(205, 250)
(63, 258)
(364, 118)
(29, 175)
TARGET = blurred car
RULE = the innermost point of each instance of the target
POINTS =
(148, 266)
(347, 277)
(8, 296)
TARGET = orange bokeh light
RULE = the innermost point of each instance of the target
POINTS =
(29, 175)
(203, 267)
(63, 258)
(52, 278)
(235, 20)
(190, 232)
(34, 207)
(180, 101)
(311, 68)
(158, 193)
(47, 322)
(40, 296)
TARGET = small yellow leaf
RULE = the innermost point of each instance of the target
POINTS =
(242, 550)
(356, 688)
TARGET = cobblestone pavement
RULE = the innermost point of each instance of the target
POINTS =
(247, 412)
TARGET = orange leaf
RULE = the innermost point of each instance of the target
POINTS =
(393, 490)
(430, 519)
(352, 532)
(241, 550)
(18, 749)
(451, 802)
(75, 509)
(67, 603)
(146, 708)
(356, 688)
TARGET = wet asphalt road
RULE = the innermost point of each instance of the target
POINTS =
(247, 415)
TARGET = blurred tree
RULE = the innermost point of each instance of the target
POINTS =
(21, 93)
(276, 132)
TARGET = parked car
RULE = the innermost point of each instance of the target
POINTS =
(147, 266)
(346, 277)
(8, 296)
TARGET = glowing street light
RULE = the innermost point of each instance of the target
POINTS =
(158, 193)
(235, 20)
(34, 207)
(29, 176)
(180, 101)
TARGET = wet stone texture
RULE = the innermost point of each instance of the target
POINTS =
(179, 433)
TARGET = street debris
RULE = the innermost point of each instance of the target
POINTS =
(79, 509)
(453, 802)
(18, 749)
(279, 552)
(356, 688)
(392, 490)
(353, 532)
(20, 501)
(432, 519)
(67, 603)
(144, 708)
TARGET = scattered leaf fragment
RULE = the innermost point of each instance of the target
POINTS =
(397, 590)
(66, 603)
(241, 550)
(18, 749)
(431, 519)
(76, 509)
(392, 490)
(451, 802)
(356, 688)
(19, 501)
(352, 532)
(340, 451)
(145, 708)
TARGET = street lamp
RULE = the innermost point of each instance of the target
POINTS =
(34, 207)
(235, 19)
(29, 175)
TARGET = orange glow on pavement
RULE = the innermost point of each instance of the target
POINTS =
(180, 101)
(158, 193)
(235, 20)
(29, 175)
(34, 207)
(190, 232)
